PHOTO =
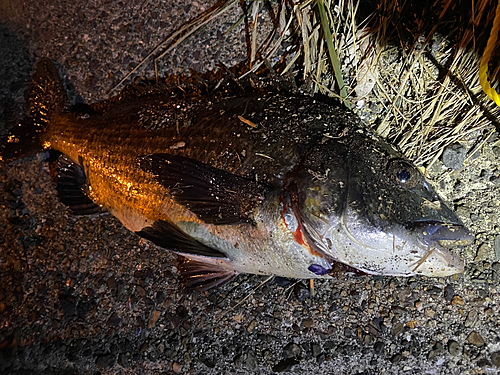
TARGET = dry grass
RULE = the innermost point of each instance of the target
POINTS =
(432, 86)
(417, 88)
(427, 111)
(427, 91)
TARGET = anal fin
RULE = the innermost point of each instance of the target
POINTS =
(71, 185)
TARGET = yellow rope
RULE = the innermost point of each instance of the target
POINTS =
(483, 68)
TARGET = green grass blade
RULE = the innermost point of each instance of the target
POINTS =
(334, 57)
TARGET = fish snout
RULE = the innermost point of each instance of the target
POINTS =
(445, 234)
(437, 238)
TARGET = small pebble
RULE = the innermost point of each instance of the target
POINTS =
(475, 339)
(307, 323)
(496, 272)
(404, 294)
(396, 358)
(454, 156)
(435, 291)
(316, 349)
(139, 290)
(378, 347)
(496, 151)
(495, 358)
(471, 319)
(457, 300)
(251, 326)
(302, 292)
(449, 293)
(251, 362)
(320, 359)
(291, 350)
(154, 317)
(453, 348)
(329, 345)
(111, 282)
(285, 365)
(105, 360)
(397, 329)
(160, 297)
(483, 362)
(430, 313)
(123, 360)
(438, 348)
(482, 253)
(176, 367)
(114, 320)
(496, 246)
(144, 347)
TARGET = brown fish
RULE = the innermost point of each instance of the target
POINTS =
(261, 182)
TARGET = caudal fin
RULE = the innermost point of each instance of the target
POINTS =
(46, 96)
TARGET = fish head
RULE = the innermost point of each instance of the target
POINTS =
(363, 204)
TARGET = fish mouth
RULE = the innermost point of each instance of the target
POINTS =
(446, 235)
(419, 250)
(437, 238)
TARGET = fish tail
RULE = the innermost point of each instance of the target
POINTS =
(47, 95)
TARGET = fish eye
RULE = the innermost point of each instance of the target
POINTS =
(403, 173)
(403, 176)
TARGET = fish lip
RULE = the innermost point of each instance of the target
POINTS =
(444, 234)
(448, 264)
(437, 238)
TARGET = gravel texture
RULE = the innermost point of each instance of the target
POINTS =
(82, 295)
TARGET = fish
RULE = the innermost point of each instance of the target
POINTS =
(257, 180)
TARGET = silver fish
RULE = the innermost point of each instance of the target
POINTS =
(262, 182)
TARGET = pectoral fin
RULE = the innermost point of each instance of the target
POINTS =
(214, 195)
